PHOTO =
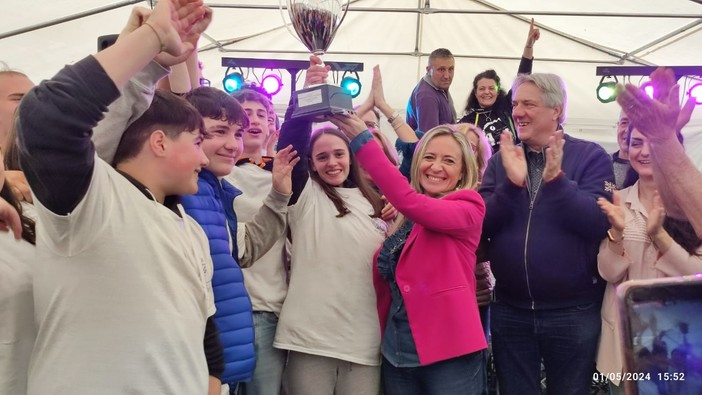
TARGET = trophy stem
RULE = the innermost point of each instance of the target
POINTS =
(319, 53)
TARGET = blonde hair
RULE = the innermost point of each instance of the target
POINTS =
(469, 176)
(484, 151)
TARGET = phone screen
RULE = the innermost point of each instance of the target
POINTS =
(665, 337)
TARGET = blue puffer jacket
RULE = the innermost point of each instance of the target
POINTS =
(234, 315)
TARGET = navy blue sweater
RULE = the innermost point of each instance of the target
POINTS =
(546, 256)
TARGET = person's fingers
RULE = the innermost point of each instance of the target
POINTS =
(616, 199)
(315, 60)
(506, 140)
(294, 161)
(10, 220)
(686, 112)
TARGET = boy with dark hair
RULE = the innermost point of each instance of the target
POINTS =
(122, 279)
(212, 207)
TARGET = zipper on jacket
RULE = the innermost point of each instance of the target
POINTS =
(526, 238)
(526, 242)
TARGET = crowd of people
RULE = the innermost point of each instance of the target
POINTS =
(163, 237)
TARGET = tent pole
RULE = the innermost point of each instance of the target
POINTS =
(424, 10)
(662, 39)
(68, 18)
(418, 55)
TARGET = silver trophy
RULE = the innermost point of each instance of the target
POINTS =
(315, 23)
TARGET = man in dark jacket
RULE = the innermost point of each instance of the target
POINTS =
(544, 228)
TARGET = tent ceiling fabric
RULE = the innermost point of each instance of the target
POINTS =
(571, 46)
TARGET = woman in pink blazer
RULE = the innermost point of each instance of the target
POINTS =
(424, 274)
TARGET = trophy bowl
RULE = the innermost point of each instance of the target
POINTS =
(315, 23)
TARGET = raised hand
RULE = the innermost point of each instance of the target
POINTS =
(613, 211)
(316, 73)
(513, 160)
(377, 87)
(554, 156)
(533, 36)
(656, 119)
(200, 26)
(271, 142)
(656, 216)
(283, 163)
(172, 21)
(138, 16)
(349, 123)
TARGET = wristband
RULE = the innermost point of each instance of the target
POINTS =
(160, 41)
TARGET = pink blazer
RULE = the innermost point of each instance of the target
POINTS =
(436, 270)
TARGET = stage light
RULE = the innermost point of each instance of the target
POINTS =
(607, 90)
(233, 82)
(696, 92)
(272, 84)
(648, 89)
(351, 85)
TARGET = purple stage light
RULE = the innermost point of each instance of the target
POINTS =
(272, 84)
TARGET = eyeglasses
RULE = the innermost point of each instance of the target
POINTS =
(372, 125)
(205, 82)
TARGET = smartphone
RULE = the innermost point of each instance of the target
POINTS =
(662, 335)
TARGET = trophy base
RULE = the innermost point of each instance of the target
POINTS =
(316, 102)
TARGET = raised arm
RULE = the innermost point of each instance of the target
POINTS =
(296, 132)
(464, 210)
(528, 53)
(185, 76)
(257, 236)
(404, 132)
(57, 154)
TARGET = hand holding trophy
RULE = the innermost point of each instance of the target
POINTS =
(315, 23)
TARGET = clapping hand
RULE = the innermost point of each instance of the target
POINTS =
(656, 119)
(613, 211)
(554, 156)
(513, 160)
(656, 216)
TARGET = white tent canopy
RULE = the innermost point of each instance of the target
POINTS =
(398, 35)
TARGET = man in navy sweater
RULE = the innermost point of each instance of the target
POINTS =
(544, 229)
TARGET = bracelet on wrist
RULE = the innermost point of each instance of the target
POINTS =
(613, 239)
(158, 36)
(397, 122)
(393, 117)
